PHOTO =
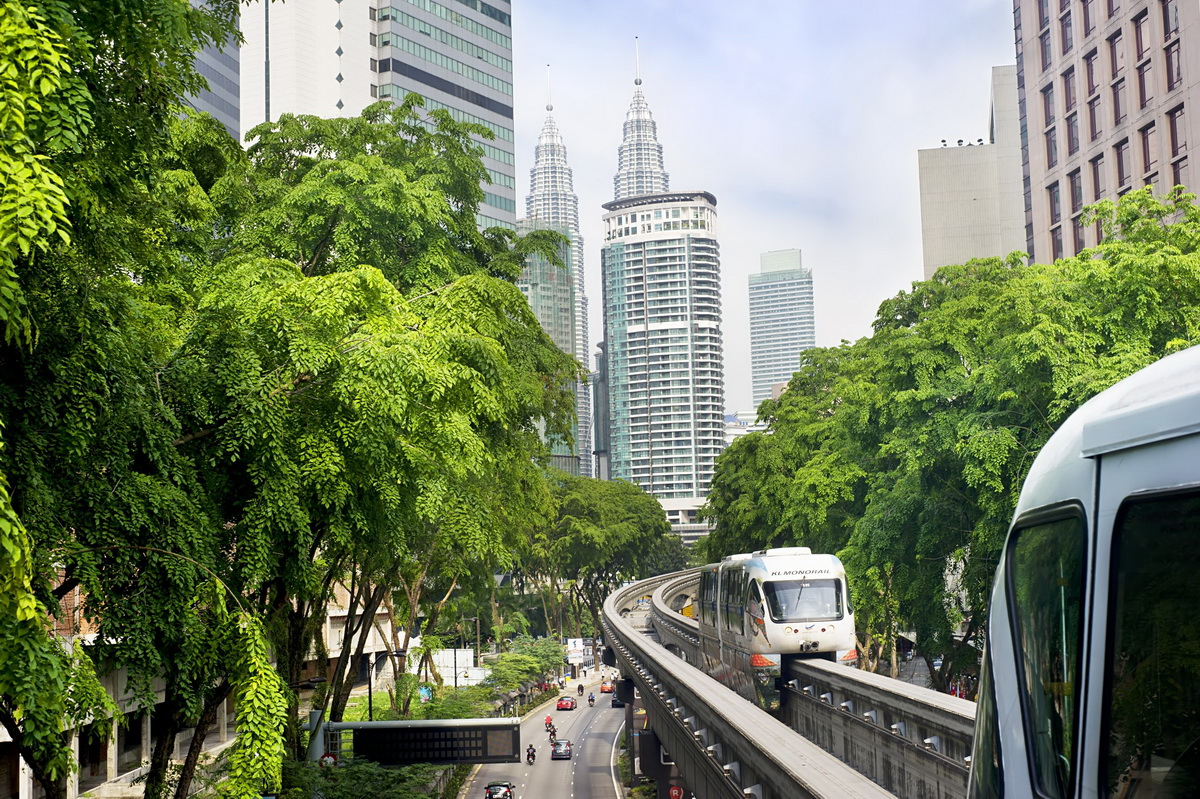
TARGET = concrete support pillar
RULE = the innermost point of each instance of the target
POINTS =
(223, 722)
(24, 780)
(112, 752)
(146, 742)
(73, 776)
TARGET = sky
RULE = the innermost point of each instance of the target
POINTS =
(803, 117)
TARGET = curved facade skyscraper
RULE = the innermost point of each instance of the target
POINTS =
(664, 369)
(552, 204)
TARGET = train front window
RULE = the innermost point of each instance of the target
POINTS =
(1152, 709)
(798, 600)
(1046, 573)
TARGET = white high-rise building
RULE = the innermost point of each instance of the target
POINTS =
(782, 320)
(333, 59)
(552, 203)
(662, 323)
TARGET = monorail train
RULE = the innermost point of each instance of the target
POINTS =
(1090, 685)
(756, 609)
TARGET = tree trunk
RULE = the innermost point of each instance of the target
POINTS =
(207, 717)
(164, 748)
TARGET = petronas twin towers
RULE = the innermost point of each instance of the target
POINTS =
(659, 387)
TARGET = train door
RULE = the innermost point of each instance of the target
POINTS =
(1143, 702)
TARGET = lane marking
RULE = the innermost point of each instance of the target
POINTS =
(612, 763)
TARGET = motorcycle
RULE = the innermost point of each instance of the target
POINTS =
(591, 701)
(529, 758)
(581, 689)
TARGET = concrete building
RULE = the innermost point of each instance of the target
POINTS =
(1108, 95)
(333, 59)
(552, 202)
(971, 192)
(782, 320)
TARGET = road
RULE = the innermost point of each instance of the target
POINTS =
(589, 774)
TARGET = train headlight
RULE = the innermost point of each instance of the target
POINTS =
(787, 630)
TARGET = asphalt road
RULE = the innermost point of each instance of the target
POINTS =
(591, 771)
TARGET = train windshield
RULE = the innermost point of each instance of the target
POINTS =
(797, 600)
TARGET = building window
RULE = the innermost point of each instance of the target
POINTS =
(1094, 127)
(371, 14)
(1044, 42)
(1072, 134)
(1070, 98)
(1149, 148)
(1075, 180)
(1067, 36)
(1174, 66)
(1178, 132)
(1091, 72)
(1056, 248)
(1098, 177)
(1043, 7)
(1170, 9)
(1089, 17)
(1051, 149)
(374, 65)
(374, 90)
(1077, 228)
(1048, 104)
(1055, 198)
(1120, 111)
(1123, 171)
(1116, 54)
(1145, 84)
(1179, 172)
(1141, 35)
(1114, 6)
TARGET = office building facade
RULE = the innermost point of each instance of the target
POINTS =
(782, 320)
(1108, 93)
(972, 202)
(553, 204)
(333, 59)
(221, 68)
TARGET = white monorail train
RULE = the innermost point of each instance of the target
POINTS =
(1090, 685)
(756, 609)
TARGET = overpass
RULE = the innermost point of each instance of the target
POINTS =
(841, 732)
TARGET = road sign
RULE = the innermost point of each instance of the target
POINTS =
(676, 792)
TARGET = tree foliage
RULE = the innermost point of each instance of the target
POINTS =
(905, 451)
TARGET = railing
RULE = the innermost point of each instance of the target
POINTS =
(908, 739)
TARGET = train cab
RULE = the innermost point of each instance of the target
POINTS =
(1090, 685)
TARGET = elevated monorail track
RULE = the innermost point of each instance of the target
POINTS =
(843, 732)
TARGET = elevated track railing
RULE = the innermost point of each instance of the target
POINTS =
(908, 739)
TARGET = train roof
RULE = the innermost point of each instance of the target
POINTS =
(1160, 402)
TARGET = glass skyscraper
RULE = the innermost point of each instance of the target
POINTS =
(332, 59)
(553, 204)
(781, 320)
(662, 323)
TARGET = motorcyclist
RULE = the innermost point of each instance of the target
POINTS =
(553, 737)
(549, 722)
(591, 700)
(530, 754)
(581, 689)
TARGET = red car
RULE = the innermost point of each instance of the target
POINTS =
(567, 703)
(606, 687)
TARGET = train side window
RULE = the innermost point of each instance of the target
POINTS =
(1046, 573)
(1152, 710)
